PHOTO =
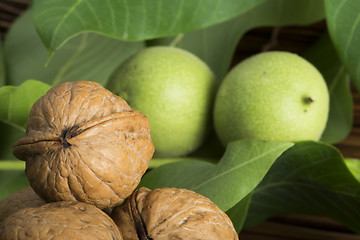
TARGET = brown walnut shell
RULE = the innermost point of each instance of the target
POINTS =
(59, 220)
(18, 200)
(170, 213)
(84, 143)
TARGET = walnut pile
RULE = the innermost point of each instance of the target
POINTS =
(86, 151)
(60, 220)
(83, 143)
(171, 213)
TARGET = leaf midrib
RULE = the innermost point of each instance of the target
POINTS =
(66, 15)
(237, 167)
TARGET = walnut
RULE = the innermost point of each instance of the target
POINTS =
(170, 213)
(59, 220)
(86, 144)
(18, 200)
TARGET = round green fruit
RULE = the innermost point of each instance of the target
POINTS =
(273, 96)
(175, 90)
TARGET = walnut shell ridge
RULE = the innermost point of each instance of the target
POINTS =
(171, 213)
(84, 143)
(60, 220)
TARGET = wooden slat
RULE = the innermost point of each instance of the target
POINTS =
(9, 10)
(350, 146)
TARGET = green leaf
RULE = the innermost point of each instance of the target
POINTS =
(16, 102)
(238, 213)
(2, 66)
(238, 172)
(12, 177)
(343, 21)
(325, 58)
(88, 56)
(309, 178)
(9, 135)
(12, 165)
(59, 20)
(354, 167)
(157, 162)
(216, 44)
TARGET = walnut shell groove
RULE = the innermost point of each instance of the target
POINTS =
(83, 143)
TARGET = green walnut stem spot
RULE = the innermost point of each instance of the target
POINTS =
(308, 100)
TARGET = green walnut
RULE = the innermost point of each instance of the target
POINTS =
(273, 96)
(175, 90)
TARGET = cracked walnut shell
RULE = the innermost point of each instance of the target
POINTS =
(60, 220)
(171, 213)
(83, 143)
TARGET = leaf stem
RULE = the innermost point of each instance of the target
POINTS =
(273, 41)
(72, 59)
(337, 78)
(12, 165)
(176, 40)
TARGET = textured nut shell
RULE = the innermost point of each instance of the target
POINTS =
(18, 200)
(84, 143)
(170, 213)
(59, 220)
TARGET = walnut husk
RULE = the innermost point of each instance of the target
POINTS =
(86, 144)
(171, 213)
(23, 198)
(59, 220)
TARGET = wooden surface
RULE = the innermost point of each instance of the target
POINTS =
(295, 39)
(9, 10)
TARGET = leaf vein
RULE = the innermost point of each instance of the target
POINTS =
(235, 168)
(95, 15)
(351, 35)
(67, 14)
